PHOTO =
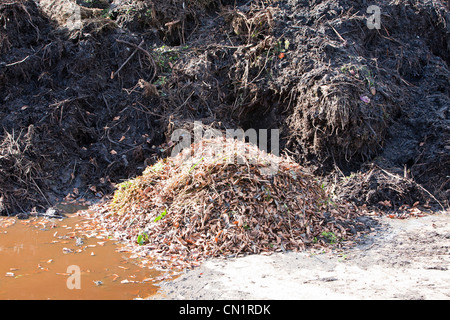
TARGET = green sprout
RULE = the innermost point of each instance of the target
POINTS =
(161, 215)
(142, 238)
(329, 236)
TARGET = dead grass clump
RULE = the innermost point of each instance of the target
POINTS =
(77, 19)
(20, 24)
(18, 173)
(13, 151)
(251, 26)
(336, 118)
(173, 20)
(223, 202)
(388, 191)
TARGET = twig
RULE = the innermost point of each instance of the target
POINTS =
(148, 54)
(185, 101)
(107, 104)
(406, 82)
(18, 62)
(72, 176)
(340, 37)
(146, 110)
(40, 191)
(126, 61)
(262, 69)
(57, 104)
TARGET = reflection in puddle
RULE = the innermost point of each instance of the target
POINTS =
(36, 256)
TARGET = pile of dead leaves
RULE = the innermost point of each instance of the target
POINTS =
(224, 197)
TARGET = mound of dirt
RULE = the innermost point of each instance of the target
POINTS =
(385, 190)
(22, 25)
(343, 95)
(216, 199)
(76, 90)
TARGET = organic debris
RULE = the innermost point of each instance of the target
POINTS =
(91, 91)
(225, 201)
(374, 186)
(65, 124)
(18, 171)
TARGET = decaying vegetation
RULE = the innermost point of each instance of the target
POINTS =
(220, 202)
(85, 107)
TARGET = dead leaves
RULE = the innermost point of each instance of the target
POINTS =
(220, 208)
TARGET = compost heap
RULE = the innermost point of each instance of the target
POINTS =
(87, 104)
(186, 208)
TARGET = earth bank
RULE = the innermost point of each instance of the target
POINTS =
(86, 106)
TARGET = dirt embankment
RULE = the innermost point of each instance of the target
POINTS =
(86, 106)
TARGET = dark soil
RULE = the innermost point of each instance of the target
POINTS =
(83, 109)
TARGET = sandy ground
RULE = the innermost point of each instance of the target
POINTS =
(402, 259)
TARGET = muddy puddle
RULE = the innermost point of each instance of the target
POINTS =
(70, 258)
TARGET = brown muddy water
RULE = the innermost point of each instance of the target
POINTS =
(39, 258)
